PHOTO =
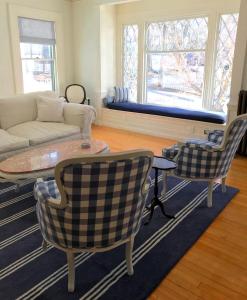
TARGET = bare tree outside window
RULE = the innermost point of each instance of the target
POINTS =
(130, 60)
(175, 58)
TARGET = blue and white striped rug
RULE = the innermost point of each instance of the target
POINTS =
(26, 272)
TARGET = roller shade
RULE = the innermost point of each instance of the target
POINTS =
(36, 31)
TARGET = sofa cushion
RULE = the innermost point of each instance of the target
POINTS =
(50, 109)
(41, 132)
(19, 109)
(10, 142)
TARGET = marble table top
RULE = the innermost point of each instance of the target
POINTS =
(46, 157)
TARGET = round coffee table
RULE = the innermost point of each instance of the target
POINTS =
(41, 161)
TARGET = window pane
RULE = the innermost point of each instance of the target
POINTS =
(188, 34)
(36, 51)
(176, 78)
(37, 75)
(224, 60)
(130, 59)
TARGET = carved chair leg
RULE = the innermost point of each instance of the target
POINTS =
(71, 272)
(223, 184)
(210, 193)
(128, 255)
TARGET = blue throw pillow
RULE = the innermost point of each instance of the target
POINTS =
(121, 94)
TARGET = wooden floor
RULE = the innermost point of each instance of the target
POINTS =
(216, 266)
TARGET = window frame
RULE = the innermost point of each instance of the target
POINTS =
(41, 60)
(147, 52)
(138, 55)
(16, 11)
(210, 51)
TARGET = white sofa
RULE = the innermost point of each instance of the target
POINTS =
(19, 129)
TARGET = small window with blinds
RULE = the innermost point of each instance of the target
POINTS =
(38, 54)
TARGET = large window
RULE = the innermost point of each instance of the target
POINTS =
(182, 67)
(175, 56)
(130, 60)
(37, 45)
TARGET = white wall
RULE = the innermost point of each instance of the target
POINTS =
(86, 26)
(245, 74)
(7, 84)
(108, 47)
(94, 47)
(151, 7)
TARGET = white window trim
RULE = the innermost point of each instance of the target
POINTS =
(210, 56)
(16, 11)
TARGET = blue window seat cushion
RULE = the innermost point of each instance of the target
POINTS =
(173, 112)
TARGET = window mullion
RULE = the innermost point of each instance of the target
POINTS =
(210, 61)
(141, 64)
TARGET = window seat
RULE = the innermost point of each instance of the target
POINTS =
(173, 112)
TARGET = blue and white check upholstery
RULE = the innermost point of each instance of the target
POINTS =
(170, 153)
(121, 94)
(105, 203)
(205, 159)
(216, 136)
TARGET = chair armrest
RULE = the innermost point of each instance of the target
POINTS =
(47, 192)
(80, 115)
(216, 136)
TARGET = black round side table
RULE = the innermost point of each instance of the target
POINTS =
(159, 163)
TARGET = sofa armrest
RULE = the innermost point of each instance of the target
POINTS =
(80, 115)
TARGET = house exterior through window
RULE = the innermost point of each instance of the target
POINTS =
(179, 68)
(38, 54)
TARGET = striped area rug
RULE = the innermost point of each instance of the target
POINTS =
(27, 272)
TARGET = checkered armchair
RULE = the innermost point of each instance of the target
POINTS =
(208, 159)
(95, 204)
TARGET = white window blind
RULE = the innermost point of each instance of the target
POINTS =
(36, 31)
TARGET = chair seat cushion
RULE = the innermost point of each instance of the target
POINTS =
(174, 112)
(40, 132)
(10, 142)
